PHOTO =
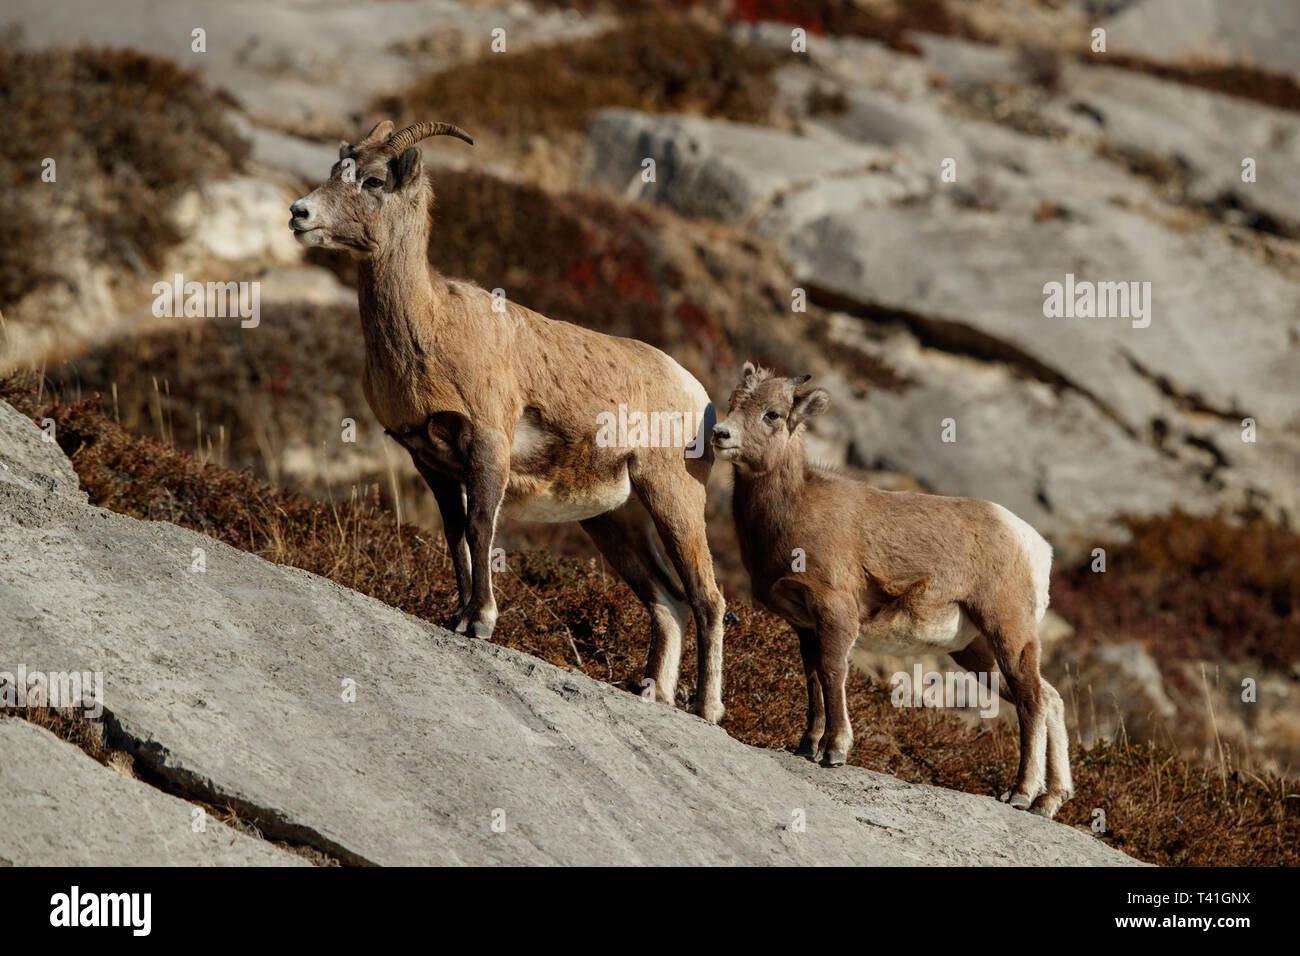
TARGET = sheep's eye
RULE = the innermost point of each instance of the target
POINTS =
(374, 183)
(772, 416)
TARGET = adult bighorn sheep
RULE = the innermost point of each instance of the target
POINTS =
(891, 571)
(501, 410)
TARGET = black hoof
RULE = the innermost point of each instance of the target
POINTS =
(834, 759)
(808, 753)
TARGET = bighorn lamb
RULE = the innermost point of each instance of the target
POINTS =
(500, 409)
(891, 571)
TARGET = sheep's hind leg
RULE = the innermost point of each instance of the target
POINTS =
(626, 539)
(676, 503)
(1060, 786)
(1016, 651)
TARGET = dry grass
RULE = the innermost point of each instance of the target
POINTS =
(128, 132)
(1158, 807)
(654, 63)
(1244, 82)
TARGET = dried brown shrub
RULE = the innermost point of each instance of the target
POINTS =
(890, 25)
(129, 132)
(1193, 588)
(654, 64)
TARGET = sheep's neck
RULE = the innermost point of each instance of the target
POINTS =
(765, 503)
(398, 294)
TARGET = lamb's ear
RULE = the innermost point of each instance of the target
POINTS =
(808, 405)
(346, 149)
(748, 372)
(402, 169)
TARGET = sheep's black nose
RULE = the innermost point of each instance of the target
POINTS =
(298, 210)
(721, 431)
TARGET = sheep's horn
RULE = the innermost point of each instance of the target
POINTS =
(404, 139)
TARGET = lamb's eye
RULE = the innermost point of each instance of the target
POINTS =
(374, 183)
(772, 416)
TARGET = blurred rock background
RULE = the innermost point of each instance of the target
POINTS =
(781, 177)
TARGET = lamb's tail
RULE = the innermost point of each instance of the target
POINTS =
(1039, 555)
(1041, 561)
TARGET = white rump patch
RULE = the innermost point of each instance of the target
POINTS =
(1039, 553)
(691, 386)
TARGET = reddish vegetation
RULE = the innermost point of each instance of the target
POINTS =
(1193, 588)
(846, 18)
(1158, 807)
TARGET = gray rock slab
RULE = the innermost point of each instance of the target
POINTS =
(1258, 33)
(60, 807)
(27, 457)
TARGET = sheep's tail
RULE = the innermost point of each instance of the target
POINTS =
(1038, 553)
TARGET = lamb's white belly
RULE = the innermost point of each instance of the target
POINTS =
(904, 634)
(552, 505)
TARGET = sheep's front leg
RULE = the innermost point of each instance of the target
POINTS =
(810, 744)
(837, 630)
(489, 469)
(451, 505)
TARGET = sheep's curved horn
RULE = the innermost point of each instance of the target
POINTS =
(404, 139)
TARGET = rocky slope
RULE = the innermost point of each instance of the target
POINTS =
(336, 722)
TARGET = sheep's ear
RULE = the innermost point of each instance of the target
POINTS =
(403, 169)
(748, 372)
(346, 150)
(808, 405)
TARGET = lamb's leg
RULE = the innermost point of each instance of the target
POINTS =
(625, 538)
(451, 505)
(810, 744)
(676, 502)
(837, 630)
(1060, 786)
(1015, 646)
(978, 658)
